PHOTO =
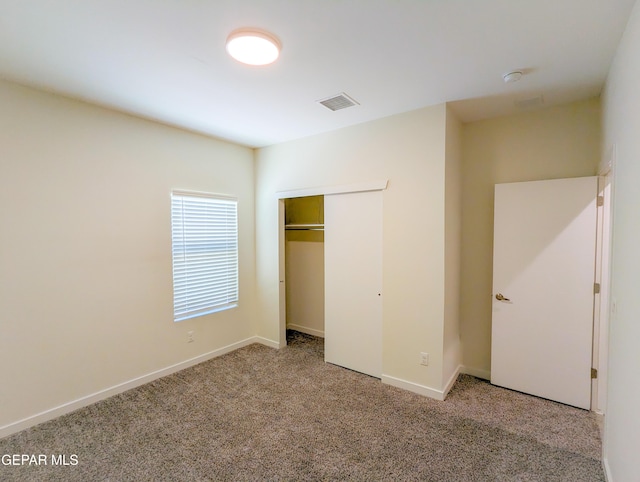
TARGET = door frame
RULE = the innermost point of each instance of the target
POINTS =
(602, 301)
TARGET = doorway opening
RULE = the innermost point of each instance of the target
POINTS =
(304, 264)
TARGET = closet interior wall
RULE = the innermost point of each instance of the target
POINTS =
(304, 264)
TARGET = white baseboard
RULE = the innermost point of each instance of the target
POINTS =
(607, 470)
(413, 387)
(266, 342)
(476, 372)
(451, 382)
(423, 389)
(304, 329)
(68, 407)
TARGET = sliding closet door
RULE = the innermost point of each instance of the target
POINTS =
(353, 281)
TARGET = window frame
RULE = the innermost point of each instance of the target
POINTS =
(208, 243)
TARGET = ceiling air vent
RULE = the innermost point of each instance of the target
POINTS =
(337, 102)
(530, 103)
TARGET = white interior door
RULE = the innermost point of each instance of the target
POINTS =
(353, 281)
(543, 264)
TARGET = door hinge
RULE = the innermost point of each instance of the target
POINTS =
(600, 201)
(594, 373)
(596, 288)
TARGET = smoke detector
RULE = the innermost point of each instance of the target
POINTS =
(513, 76)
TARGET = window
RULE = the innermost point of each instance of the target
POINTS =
(204, 239)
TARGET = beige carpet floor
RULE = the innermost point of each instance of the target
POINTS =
(265, 414)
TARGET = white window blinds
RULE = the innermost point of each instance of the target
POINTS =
(204, 237)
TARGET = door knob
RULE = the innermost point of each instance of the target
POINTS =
(499, 297)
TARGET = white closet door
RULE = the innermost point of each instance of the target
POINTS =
(353, 281)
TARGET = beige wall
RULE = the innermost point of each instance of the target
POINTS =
(557, 142)
(452, 231)
(85, 248)
(409, 151)
(621, 101)
(305, 282)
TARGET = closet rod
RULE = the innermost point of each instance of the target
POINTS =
(306, 227)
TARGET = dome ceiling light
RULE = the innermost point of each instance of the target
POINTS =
(253, 46)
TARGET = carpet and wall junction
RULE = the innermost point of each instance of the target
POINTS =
(265, 414)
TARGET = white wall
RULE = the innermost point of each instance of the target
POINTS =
(452, 249)
(85, 248)
(552, 143)
(621, 119)
(409, 150)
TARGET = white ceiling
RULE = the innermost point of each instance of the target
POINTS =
(165, 59)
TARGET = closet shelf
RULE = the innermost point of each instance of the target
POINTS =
(307, 227)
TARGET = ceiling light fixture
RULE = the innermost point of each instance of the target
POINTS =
(513, 76)
(253, 47)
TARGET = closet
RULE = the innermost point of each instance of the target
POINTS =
(304, 264)
(333, 272)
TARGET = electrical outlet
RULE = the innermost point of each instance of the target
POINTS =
(190, 337)
(424, 359)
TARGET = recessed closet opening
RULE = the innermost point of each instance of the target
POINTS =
(304, 264)
(330, 265)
